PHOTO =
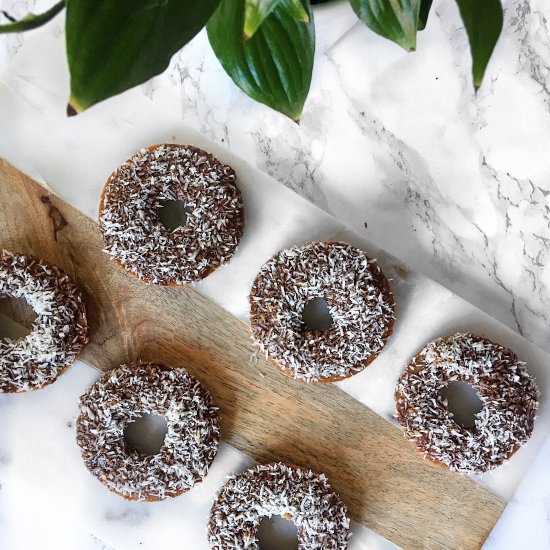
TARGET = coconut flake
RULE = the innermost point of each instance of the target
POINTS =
(509, 395)
(359, 302)
(58, 333)
(298, 495)
(133, 233)
(122, 396)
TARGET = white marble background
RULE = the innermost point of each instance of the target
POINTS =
(453, 184)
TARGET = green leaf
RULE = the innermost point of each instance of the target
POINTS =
(273, 67)
(483, 22)
(425, 6)
(113, 45)
(32, 21)
(396, 20)
(295, 9)
(255, 11)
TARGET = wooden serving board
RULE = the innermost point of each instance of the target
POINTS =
(384, 481)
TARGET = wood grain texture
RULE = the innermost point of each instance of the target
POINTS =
(384, 481)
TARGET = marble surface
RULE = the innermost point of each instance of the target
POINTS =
(453, 184)
(524, 523)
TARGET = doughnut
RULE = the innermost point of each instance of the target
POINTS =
(58, 333)
(298, 495)
(122, 396)
(133, 233)
(359, 301)
(509, 395)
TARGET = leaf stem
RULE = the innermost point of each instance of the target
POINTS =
(32, 21)
(8, 16)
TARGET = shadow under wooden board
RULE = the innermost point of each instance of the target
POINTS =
(384, 481)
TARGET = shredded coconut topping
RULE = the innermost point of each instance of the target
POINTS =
(509, 395)
(122, 396)
(359, 301)
(58, 333)
(130, 224)
(300, 496)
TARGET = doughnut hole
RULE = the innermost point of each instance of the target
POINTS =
(146, 434)
(316, 315)
(173, 214)
(463, 402)
(16, 318)
(277, 533)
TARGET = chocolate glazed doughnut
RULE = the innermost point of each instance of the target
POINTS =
(509, 395)
(130, 224)
(59, 332)
(298, 495)
(359, 300)
(122, 396)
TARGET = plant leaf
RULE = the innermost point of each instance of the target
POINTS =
(113, 45)
(396, 20)
(32, 20)
(255, 11)
(273, 67)
(425, 6)
(483, 22)
(295, 9)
